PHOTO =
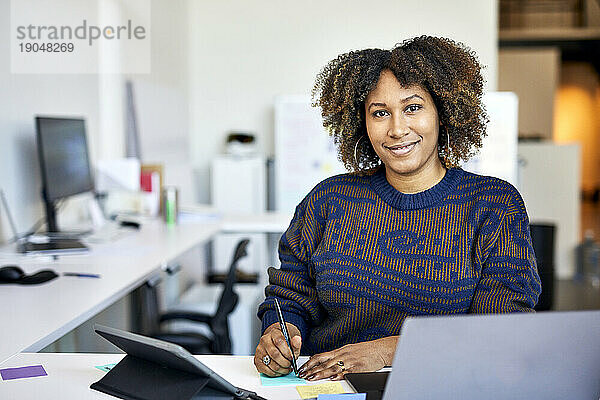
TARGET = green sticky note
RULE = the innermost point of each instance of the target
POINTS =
(287, 380)
(105, 368)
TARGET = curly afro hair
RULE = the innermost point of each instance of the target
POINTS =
(448, 70)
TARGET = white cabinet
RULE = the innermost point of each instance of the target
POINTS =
(238, 184)
(238, 188)
(550, 181)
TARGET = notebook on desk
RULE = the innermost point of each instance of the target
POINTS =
(549, 355)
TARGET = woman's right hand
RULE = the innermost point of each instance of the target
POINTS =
(273, 344)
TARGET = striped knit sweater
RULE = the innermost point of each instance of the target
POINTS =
(360, 256)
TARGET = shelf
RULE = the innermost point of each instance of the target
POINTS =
(549, 34)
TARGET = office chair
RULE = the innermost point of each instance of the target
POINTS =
(542, 238)
(197, 343)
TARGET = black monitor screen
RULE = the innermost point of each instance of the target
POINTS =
(64, 161)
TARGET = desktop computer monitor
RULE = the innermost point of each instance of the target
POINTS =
(64, 162)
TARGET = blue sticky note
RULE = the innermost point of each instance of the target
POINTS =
(287, 380)
(344, 396)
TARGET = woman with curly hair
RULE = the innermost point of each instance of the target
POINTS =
(407, 232)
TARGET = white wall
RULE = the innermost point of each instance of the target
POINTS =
(21, 98)
(162, 98)
(244, 53)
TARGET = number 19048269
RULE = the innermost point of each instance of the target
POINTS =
(46, 47)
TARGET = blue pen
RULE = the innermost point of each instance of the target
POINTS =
(78, 275)
(286, 334)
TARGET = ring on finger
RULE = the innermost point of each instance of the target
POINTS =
(340, 364)
(266, 360)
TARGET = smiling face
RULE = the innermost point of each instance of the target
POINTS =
(403, 127)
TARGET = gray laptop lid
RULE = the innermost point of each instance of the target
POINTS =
(550, 355)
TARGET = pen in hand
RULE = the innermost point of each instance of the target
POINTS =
(286, 335)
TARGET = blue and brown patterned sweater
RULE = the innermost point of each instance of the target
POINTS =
(360, 256)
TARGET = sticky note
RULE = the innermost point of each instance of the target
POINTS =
(106, 367)
(343, 396)
(287, 380)
(22, 372)
(312, 391)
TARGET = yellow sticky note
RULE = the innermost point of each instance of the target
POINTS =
(312, 391)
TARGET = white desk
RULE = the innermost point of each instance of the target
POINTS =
(70, 376)
(35, 316)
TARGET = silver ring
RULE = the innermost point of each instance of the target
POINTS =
(341, 365)
(266, 360)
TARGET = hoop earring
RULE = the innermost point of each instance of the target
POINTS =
(444, 153)
(355, 152)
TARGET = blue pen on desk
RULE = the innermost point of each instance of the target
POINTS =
(78, 275)
(286, 335)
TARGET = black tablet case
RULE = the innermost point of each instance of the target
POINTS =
(371, 383)
(138, 379)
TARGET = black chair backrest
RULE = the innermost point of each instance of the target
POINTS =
(227, 303)
(542, 238)
(229, 298)
(145, 299)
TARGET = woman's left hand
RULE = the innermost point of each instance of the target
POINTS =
(357, 357)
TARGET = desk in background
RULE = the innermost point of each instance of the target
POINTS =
(35, 316)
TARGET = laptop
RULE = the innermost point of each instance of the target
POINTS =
(33, 244)
(549, 355)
